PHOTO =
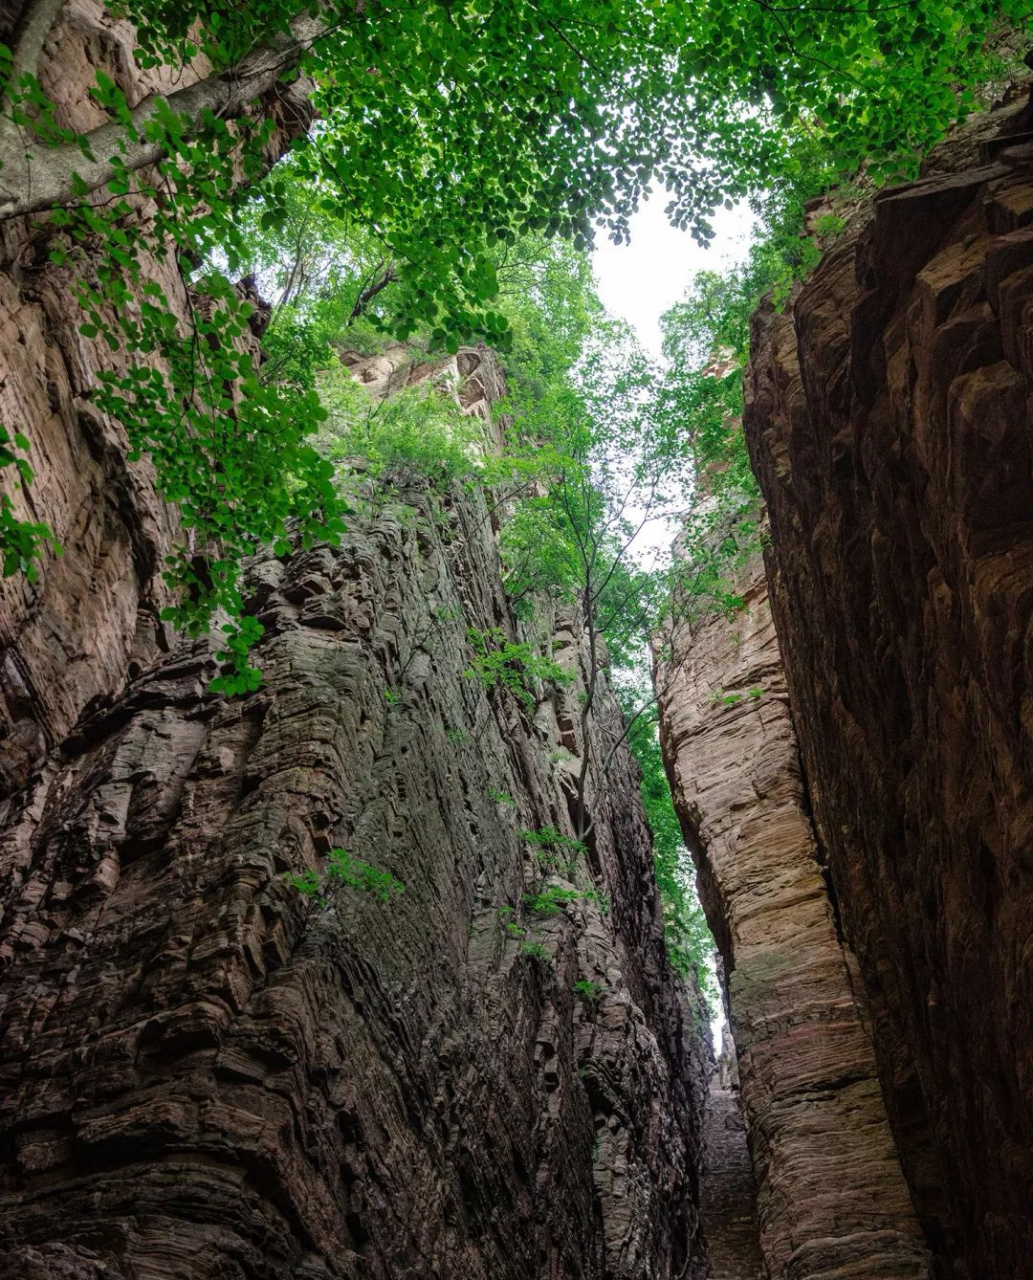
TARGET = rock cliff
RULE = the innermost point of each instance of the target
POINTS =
(204, 1071)
(69, 641)
(863, 824)
(889, 422)
(831, 1198)
(209, 1074)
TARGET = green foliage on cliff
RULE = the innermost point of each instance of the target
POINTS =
(521, 115)
(21, 541)
(449, 131)
(587, 990)
(599, 451)
(513, 666)
(690, 945)
(416, 433)
(343, 870)
(706, 344)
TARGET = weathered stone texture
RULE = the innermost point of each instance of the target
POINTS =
(831, 1198)
(205, 1074)
(728, 1190)
(888, 416)
(67, 642)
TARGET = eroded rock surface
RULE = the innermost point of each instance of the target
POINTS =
(728, 1188)
(831, 1199)
(888, 417)
(205, 1073)
(68, 642)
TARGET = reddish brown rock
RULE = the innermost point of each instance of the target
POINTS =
(206, 1074)
(889, 421)
(67, 643)
(831, 1199)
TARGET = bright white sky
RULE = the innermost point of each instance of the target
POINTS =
(642, 279)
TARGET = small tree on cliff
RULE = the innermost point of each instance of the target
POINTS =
(596, 466)
(445, 127)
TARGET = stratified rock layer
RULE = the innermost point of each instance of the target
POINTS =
(888, 417)
(204, 1073)
(832, 1202)
(67, 642)
(728, 1189)
(207, 1074)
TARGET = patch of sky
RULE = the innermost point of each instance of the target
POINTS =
(638, 282)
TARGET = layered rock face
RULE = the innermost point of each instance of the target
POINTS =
(889, 422)
(207, 1073)
(69, 641)
(831, 1199)
(728, 1189)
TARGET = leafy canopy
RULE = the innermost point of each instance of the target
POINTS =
(446, 131)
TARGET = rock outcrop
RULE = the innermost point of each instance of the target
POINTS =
(888, 417)
(67, 643)
(208, 1073)
(831, 1199)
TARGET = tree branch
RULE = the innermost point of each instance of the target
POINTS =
(33, 182)
(377, 285)
(34, 26)
(628, 726)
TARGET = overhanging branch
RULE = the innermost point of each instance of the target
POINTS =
(33, 181)
(35, 24)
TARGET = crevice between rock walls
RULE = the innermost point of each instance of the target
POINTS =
(728, 1188)
(831, 1199)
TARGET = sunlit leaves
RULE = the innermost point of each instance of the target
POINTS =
(22, 542)
(447, 134)
(229, 447)
(690, 945)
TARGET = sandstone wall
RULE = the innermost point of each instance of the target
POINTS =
(888, 417)
(207, 1074)
(67, 643)
(831, 1198)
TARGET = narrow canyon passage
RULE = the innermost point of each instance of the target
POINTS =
(728, 1190)
(356, 768)
(831, 1198)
